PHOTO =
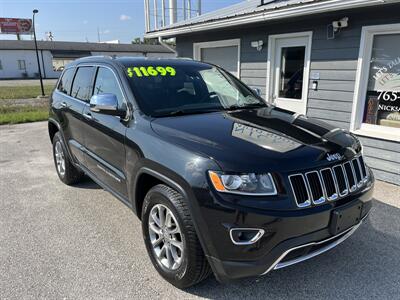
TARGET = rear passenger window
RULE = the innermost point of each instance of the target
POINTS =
(82, 86)
(64, 85)
(107, 83)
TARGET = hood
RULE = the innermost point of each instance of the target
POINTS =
(259, 140)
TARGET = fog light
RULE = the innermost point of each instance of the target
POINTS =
(245, 236)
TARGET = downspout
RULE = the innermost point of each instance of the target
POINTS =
(161, 41)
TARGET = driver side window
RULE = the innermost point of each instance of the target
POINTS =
(106, 83)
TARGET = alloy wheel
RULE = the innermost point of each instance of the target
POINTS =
(165, 237)
(60, 159)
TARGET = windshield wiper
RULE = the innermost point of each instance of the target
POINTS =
(251, 105)
(182, 112)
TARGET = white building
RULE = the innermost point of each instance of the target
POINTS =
(18, 58)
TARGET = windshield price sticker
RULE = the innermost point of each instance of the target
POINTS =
(150, 71)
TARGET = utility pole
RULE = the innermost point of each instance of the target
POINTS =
(35, 11)
(98, 34)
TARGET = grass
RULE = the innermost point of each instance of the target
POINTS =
(14, 114)
(23, 92)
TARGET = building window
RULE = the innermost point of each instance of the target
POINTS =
(382, 101)
(291, 73)
(21, 64)
(377, 94)
(1, 66)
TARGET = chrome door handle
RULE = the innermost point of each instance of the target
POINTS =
(63, 104)
(88, 116)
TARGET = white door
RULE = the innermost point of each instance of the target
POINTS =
(290, 71)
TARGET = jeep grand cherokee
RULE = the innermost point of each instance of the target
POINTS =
(222, 181)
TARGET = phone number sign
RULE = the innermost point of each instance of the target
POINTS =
(389, 101)
(15, 26)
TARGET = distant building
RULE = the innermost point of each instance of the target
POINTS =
(18, 58)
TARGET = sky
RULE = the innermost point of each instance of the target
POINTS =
(81, 20)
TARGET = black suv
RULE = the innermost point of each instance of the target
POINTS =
(222, 181)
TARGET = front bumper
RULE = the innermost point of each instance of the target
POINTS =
(290, 236)
(314, 249)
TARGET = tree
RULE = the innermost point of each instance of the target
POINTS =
(145, 41)
(136, 40)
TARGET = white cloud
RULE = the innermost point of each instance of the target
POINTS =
(124, 17)
(106, 31)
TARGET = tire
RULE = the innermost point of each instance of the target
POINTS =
(192, 267)
(66, 171)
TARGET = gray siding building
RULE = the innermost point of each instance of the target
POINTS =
(336, 61)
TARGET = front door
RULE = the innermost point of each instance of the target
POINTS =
(105, 136)
(290, 72)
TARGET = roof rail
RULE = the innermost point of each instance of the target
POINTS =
(96, 57)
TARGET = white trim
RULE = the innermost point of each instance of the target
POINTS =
(216, 44)
(265, 15)
(360, 91)
(271, 62)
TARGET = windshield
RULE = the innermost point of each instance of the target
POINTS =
(164, 90)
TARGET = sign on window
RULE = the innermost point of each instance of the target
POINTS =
(383, 91)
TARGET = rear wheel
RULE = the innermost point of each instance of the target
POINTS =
(66, 171)
(170, 238)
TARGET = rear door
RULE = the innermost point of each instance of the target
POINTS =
(69, 111)
(105, 135)
(82, 86)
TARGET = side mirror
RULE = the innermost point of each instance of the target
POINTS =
(106, 104)
(257, 91)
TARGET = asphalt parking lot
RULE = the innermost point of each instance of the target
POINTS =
(58, 241)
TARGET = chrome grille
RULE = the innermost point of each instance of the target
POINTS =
(357, 171)
(348, 167)
(363, 168)
(329, 183)
(341, 180)
(300, 190)
(315, 187)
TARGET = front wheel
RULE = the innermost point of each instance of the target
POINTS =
(170, 238)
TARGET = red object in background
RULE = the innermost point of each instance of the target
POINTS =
(15, 26)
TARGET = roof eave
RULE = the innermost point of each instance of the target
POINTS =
(262, 16)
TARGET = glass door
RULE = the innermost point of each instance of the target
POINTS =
(290, 76)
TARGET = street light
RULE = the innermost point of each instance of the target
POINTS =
(35, 11)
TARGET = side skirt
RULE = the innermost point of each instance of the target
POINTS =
(105, 186)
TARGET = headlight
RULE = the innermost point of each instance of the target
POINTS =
(245, 184)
